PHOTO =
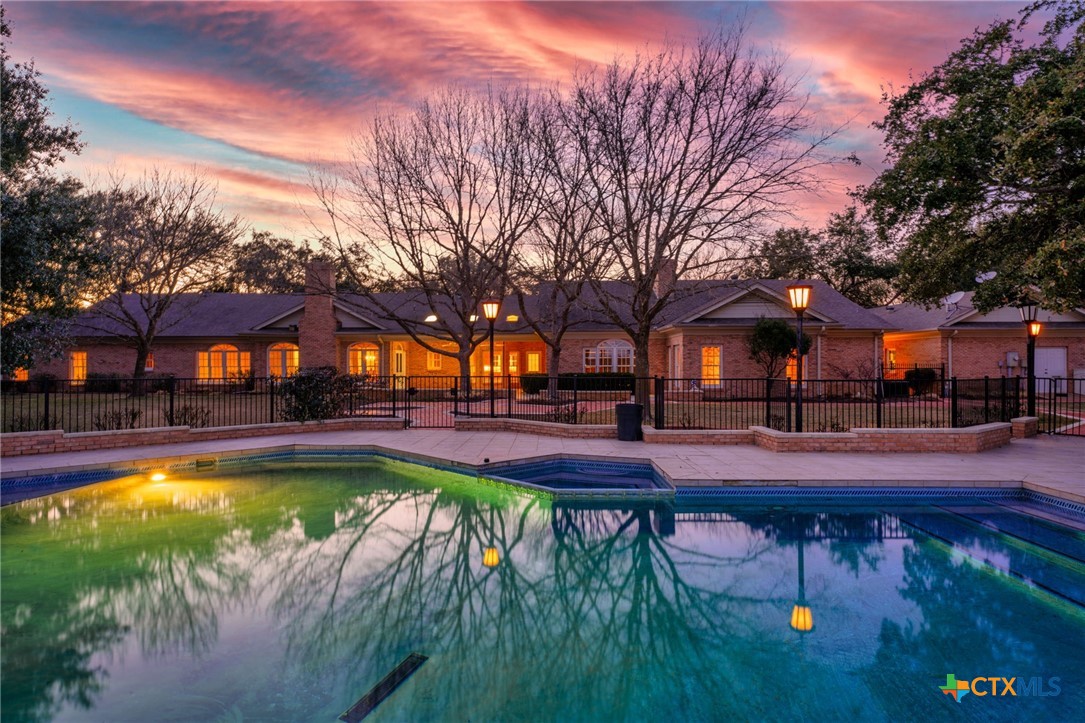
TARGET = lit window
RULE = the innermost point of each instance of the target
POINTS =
(512, 318)
(77, 366)
(433, 361)
(514, 362)
(283, 359)
(148, 366)
(534, 361)
(792, 368)
(610, 357)
(364, 359)
(20, 375)
(399, 359)
(710, 363)
(473, 318)
(431, 318)
(222, 361)
(891, 358)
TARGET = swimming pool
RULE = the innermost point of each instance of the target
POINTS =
(288, 591)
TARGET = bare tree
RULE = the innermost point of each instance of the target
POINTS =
(436, 201)
(562, 249)
(689, 150)
(165, 240)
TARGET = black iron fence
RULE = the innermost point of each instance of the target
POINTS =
(436, 401)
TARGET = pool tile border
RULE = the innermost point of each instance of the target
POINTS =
(485, 473)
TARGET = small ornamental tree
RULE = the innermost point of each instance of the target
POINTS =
(772, 343)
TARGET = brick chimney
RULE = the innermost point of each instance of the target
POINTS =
(667, 276)
(316, 330)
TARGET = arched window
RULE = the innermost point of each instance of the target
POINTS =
(364, 359)
(282, 359)
(609, 357)
(222, 361)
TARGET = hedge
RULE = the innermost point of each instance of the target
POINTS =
(535, 383)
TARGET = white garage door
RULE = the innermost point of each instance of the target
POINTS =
(1051, 363)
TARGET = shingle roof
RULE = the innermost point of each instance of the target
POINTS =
(198, 315)
(229, 314)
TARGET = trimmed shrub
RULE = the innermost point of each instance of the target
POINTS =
(189, 415)
(535, 383)
(922, 381)
(312, 394)
(100, 383)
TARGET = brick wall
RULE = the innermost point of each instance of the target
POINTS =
(23, 443)
(838, 354)
(978, 354)
(170, 358)
(546, 429)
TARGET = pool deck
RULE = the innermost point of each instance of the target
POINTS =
(1051, 465)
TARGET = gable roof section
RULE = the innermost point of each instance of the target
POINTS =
(963, 315)
(828, 306)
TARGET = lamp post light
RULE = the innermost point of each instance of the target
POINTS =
(802, 617)
(1032, 327)
(799, 296)
(490, 309)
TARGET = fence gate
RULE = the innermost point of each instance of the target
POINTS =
(1060, 404)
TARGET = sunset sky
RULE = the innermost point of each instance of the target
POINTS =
(253, 92)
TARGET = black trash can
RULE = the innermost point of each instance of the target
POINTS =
(629, 429)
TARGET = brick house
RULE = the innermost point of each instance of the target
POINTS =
(701, 335)
(969, 344)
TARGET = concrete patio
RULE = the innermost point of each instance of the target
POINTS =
(1051, 465)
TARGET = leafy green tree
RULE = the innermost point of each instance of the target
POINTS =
(789, 253)
(268, 264)
(844, 254)
(771, 343)
(46, 250)
(849, 260)
(986, 172)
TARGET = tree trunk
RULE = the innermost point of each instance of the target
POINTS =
(642, 385)
(142, 352)
(464, 358)
(553, 366)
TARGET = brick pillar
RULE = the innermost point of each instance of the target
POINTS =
(316, 330)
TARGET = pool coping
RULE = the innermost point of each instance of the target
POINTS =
(24, 484)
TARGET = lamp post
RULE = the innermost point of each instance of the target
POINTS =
(490, 309)
(1032, 327)
(799, 296)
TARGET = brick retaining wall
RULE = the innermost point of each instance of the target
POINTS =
(23, 443)
(964, 440)
(546, 429)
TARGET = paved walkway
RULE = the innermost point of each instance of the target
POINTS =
(1054, 465)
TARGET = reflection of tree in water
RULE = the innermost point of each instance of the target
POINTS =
(974, 622)
(591, 619)
(853, 537)
(152, 566)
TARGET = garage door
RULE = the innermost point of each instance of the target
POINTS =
(1051, 363)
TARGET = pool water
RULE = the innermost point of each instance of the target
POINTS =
(286, 593)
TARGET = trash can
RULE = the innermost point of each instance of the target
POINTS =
(629, 429)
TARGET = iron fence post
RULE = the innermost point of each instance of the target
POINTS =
(1004, 415)
(576, 407)
(953, 402)
(986, 399)
(508, 395)
(660, 421)
(787, 404)
(47, 385)
(455, 397)
(395, 384)
(879, 398)
(768, 402)
(171, 384)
